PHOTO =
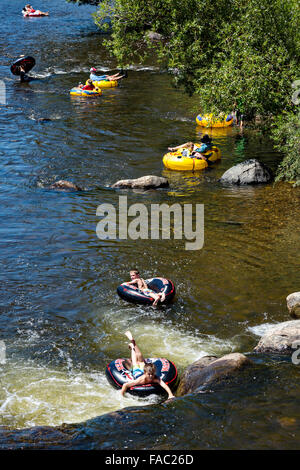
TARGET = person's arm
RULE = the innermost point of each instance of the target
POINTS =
(127, 385)
(130, 282)
(167, 388)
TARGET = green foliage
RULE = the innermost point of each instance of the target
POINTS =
(228, 53)
(225, 51)
(286, 135)
(85, 2)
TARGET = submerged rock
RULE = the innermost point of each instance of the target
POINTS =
(293, 304)
(145, 182)
(248, 172)
(63, 184)
(280, 339)
(209, 369)
(42, 119)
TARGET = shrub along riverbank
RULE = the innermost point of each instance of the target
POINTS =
(230, 54)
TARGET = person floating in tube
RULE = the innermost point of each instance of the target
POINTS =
(29, 10)
(21, 71)
(22, 66)
(141, 284)
(89, 86)
(193, 150)
(143, 373)
(97, 78)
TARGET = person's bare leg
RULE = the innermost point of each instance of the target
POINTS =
(156, 298)
(113, 77)
(129, 335)
(136, 354)
(187, 145)
(116, 76)
(133, 355)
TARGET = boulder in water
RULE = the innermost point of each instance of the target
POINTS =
(42, 119)
(65, 185)
(293, 304)
(145, 182)
(210, 369)
(280, 339)
(248, 172)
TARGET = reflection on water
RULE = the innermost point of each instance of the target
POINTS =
(61, 319)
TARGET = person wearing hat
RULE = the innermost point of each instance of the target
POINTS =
(193, 149)
(97, 78)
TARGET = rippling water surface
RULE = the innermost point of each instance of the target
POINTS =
(61, 319)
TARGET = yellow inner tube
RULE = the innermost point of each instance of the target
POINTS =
(80, 92)
(209, 120)
(176, 161)
(105, 83)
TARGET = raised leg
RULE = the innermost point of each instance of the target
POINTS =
(136, 354)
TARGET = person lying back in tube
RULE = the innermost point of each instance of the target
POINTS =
(142, 286)
(97, 78)
(28, 9)
(193, 150)
(143, 373)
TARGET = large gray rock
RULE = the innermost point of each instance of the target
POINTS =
(145, 182)
(280, 339)
(154, 36)
(210, 369)
(65, 185)
(293, 304)
(248, 172)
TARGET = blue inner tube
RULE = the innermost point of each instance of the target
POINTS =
(117, 374)
(158, 284)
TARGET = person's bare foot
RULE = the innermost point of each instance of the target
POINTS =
(129, 335)
(163, 297)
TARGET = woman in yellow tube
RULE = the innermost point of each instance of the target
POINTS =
(193, 149)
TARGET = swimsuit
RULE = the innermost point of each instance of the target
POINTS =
(147, 291)
(203, 148)
(137, 372)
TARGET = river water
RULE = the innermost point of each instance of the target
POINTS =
(61, 319)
